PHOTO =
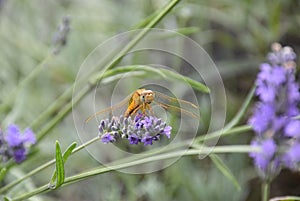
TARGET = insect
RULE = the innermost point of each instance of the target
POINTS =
(141, 100)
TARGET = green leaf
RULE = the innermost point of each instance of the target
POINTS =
(224, 169)
(69, 151)
(5, 198)
(66, 155)
(3, 172)
(59, 174)
(165, 73)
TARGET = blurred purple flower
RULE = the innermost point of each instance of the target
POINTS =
(262, 117)
(263, 158)
(292, 156)
(20, 154)
(14, 143)
(60, 37)
(277, 130)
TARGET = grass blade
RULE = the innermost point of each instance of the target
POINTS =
(224, 169)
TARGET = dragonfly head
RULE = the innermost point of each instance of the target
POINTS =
(147, 96)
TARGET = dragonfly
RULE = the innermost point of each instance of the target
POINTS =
(141, 100)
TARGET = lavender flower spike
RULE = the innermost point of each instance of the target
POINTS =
(274, 119)
(140, 129)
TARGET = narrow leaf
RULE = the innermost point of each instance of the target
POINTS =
(69, 151)
(165, 73)
(66, 155)
(224, 169)
(59, 175)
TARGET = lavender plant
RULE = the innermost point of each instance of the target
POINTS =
(275, 118)
(140, 129)
(15, 144)
(275, 122)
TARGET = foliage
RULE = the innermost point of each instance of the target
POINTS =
(43, 45)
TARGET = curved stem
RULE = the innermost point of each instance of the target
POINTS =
(84, 175)
(149, 153)
(44, 166)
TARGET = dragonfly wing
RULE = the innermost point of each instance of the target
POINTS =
(110, 109)
(177, 109)
(171, 101)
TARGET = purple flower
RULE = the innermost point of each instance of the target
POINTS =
(20, 154)
(167, 131)
(293, 92)
(61, 36)
(29, 136)
(141, 128)
(262, 159)
(13, 136)
(147, 140)
(14, 144)
(262, 117)
(292, 129)
(148, 121)
(107, 137)
(133, 139)
(278, 76)
(273, 119)
(292, 157)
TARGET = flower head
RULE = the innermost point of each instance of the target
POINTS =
(60, 37)
(273, 120)
(14, 143)
(140, 129)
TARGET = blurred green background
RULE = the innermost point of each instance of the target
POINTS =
(236, 34)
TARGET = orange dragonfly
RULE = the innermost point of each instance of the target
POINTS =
(141, 100)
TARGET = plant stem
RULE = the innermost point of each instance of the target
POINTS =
(84, 175)
(67, 95)
(152, 152)
(48, 127)
(44, 166)
(143, 33)
(265, 191)
(35, 72)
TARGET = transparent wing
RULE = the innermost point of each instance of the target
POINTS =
(177, 105)
(122, 104)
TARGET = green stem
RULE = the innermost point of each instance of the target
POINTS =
(143, 33)
(165, 73)
(67, 95)
(183, 144)
(84, 175)
(48, 127)
(242, 110)
(35, 72)
(44, 166)
(222, 133)
(265, 191)
(51, 110)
